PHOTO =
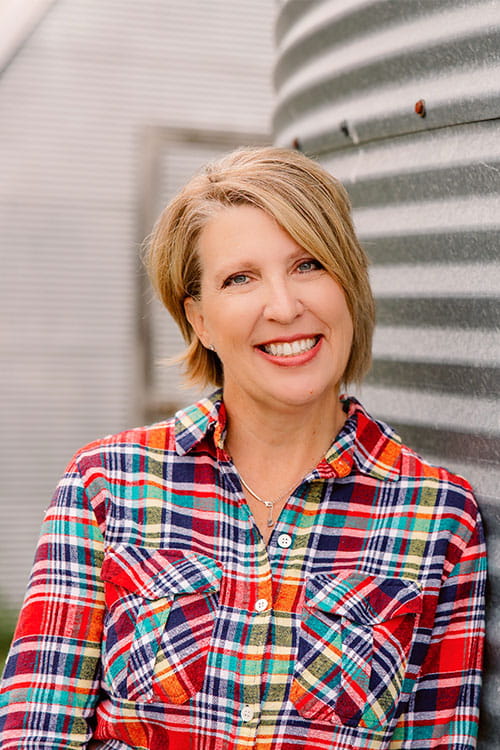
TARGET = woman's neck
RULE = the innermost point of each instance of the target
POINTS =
(290, 440)
(273, 449)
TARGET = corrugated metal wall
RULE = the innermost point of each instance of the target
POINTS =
(401, 101)
(79, 101)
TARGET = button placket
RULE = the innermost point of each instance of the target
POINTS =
(256, 600)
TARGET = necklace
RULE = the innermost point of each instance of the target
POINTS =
(268, 503)
(271, 503)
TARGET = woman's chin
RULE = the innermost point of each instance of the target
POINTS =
(296, 396)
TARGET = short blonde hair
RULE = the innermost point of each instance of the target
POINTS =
(305, 200)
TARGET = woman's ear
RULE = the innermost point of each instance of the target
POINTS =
(194, 313)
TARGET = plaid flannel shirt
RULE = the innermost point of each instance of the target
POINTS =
(156, 617)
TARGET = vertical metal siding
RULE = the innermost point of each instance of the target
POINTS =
(76, 100)
(426, 198)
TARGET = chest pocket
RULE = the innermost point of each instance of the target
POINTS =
(354, 641)
(160, 612)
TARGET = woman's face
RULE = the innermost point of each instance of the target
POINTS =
(277, 320)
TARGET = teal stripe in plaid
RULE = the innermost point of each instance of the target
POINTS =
(140, 627)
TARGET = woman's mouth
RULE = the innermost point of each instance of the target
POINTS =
(289, 348)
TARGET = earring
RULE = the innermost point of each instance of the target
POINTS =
(212, 348)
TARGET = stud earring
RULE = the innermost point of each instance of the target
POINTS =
(212, 348)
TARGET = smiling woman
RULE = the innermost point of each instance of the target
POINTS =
(278, 321)
(306, 202)
(271, 568)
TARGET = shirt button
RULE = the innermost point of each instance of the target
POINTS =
(261, 605)
(246, 713)
(284, 540)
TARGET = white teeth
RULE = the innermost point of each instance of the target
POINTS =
(287, 349)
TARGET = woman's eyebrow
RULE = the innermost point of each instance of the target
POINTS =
(236, 266)
(248, 263)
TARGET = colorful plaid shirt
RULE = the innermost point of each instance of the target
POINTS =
(157, 618)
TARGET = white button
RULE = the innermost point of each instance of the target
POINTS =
(284, 540)
(247, 713)
(261, 605)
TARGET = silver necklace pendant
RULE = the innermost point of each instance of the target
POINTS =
(269, 505)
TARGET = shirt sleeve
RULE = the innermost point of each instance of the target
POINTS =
(443, 710)
(50, 683)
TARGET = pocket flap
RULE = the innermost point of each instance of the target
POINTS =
(156, 573)
(361, 598)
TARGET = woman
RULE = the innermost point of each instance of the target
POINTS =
(271, 568)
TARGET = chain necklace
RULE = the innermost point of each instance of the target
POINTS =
(268, 503)
(271, 503)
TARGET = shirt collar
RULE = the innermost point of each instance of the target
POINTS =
(195, 422)
(370, 445)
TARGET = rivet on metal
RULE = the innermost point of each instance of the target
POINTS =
(420, 108)
(344, 127)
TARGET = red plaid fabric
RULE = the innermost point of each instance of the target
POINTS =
(156, 617)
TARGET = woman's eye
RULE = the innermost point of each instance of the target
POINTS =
(237, 280)
(309, 265)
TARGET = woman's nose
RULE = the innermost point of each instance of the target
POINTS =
(283, 303)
